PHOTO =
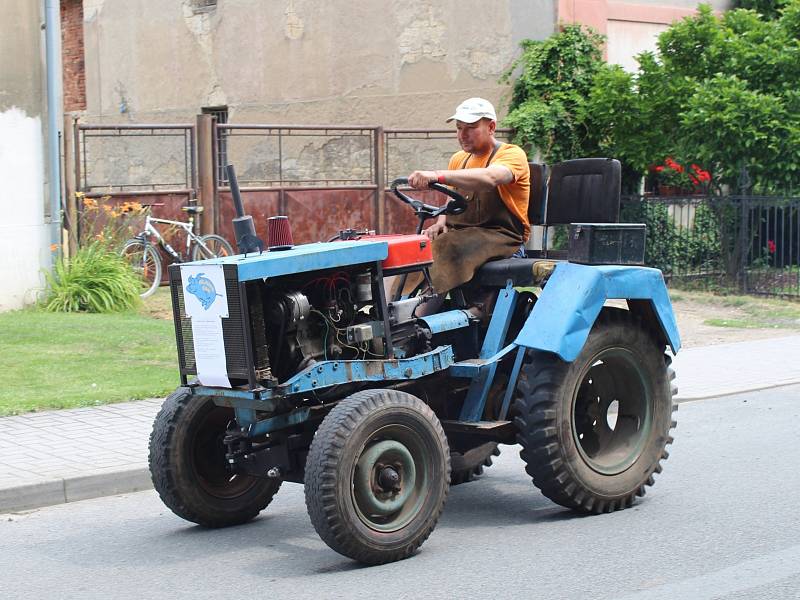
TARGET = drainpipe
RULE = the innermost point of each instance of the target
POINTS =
(52, 27)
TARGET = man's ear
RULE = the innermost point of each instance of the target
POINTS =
(492, 126)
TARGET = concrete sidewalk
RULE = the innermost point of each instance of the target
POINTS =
(63, 456)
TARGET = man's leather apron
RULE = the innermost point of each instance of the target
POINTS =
(485, 231)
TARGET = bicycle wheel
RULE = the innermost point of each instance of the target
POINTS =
(211, 246)
(145, 262)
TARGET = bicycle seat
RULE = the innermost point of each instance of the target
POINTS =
(192, 210)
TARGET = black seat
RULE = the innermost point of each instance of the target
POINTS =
(496, 273)
(584, 190)
(538, 194)
(192, 210)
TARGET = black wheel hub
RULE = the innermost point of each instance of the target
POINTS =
(611, 412)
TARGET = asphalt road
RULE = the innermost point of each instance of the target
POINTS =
(721, 522)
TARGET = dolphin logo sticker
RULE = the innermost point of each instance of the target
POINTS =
(202, 288)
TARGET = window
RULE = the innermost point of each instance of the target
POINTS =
(201, 6)
(220, 114)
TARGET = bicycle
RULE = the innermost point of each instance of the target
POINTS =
(143, 255)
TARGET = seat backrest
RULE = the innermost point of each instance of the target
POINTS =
(538, 193)
(584, 190)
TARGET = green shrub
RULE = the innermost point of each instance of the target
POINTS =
(96, 280)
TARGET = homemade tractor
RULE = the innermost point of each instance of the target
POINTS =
(301, 364)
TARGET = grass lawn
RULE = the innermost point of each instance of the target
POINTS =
(744, 312)
(53, 360)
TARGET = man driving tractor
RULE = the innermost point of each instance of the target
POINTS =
(495, 179)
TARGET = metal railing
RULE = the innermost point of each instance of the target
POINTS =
(297, 156)
(744, 244)
(134, 159)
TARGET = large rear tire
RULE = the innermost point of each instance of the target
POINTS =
(187, 465)
(377, 476)
(469, 465)
(594, 431)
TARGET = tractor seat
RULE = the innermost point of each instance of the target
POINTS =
(521, 271)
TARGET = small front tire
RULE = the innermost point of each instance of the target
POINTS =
(187, 465)
(377, 476)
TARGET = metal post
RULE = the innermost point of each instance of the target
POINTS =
(54, 110)
(70, 184)
(206, 173)
(380, 180)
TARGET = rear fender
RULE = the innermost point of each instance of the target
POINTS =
(574, 295)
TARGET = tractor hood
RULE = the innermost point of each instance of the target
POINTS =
(300, 259)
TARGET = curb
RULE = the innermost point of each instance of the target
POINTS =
(72, 489)
(680, 399)
(51, 492)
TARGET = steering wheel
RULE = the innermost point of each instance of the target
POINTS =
(456, 206)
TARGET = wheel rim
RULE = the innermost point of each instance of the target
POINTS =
(390, 478)
(207, 457)
(611, 414)
(143, 262)
(215, 247)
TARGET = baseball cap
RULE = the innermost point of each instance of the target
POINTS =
(474, 109)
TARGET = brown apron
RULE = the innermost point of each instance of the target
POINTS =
(485, 231)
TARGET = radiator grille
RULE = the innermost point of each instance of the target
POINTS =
(232, 327)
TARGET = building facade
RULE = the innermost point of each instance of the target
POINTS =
(24, 234)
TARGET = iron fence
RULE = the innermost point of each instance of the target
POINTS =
(278, 156)
(744, 244)
(121, 159)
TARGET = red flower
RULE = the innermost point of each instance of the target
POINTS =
(659, 168)
(702, 175)
(673, 165)
(771, 246)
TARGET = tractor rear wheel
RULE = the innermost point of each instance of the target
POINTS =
(187, 465)
(377, 476)
(594, 431)
(469, 465)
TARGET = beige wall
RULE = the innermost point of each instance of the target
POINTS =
(23, 233)
(400, 64)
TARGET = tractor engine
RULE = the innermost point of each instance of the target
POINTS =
(334, 316)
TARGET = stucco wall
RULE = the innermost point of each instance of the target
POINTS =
(400, 64)
(23, 233)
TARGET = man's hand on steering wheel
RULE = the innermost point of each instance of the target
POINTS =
(436, 229)
(421, 180)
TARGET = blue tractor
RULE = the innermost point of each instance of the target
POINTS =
(302, 364)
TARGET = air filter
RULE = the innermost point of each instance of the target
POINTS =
(279, 233)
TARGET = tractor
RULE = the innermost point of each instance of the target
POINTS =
(311, 364)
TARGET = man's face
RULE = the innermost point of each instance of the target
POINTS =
(476, 138)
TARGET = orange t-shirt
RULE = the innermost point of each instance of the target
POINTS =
(515, 194)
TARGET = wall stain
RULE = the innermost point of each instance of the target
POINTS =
(294, 26)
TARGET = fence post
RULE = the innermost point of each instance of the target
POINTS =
(70, 182)
(744, 243)
(380, 180)
(206, 173)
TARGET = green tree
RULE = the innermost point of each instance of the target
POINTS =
(555, 76)
(722, 92)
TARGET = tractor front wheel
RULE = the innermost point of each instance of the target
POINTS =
(187, 464)
(377, 476)
(594, 431)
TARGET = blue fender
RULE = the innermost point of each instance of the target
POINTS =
(565, 311)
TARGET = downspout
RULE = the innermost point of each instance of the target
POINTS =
(52, 28)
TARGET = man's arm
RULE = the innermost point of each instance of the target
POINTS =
(470, 180)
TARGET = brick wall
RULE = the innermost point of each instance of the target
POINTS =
(74, 74)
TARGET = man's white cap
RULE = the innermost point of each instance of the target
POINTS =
(474, 109)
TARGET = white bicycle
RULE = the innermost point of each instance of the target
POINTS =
(143, 255)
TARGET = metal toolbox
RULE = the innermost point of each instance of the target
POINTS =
(607, 243)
